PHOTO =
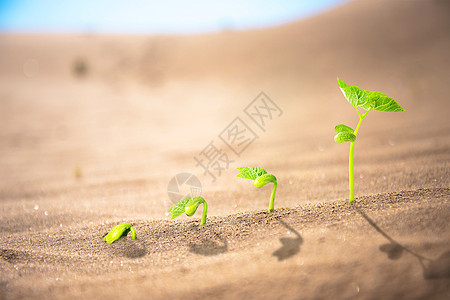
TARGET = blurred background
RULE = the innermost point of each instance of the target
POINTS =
(102, 103)
(153, 17)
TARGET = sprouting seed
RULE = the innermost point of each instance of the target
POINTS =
(118, 231)
(261, 178)
(189, 206)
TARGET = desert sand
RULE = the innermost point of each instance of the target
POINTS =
(93, 128)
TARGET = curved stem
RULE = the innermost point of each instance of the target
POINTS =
(205, 211)
(272, 198)
(133, 233)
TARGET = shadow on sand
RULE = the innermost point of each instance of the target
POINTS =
(210, 247)
(290, 246)
(126, 247)
(432, 269)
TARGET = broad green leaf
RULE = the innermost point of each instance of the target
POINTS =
(381, 102)
(251, 172)
(343, 128)
(343, 137)
(368, 99)
(265, 179)
(179, 208)
(118, 231)
(354, 94)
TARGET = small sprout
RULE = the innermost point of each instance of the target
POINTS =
(368, 100)
(118, 231)
(189, 206)
(261, 178)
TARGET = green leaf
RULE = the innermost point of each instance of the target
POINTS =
(343, 137)
(355, 96)
(118, 231)
(343, 128)
(251, 172)
(264, 179)
(381, 102)
(368, 99)
(179, 208)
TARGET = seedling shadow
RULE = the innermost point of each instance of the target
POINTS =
(210, 247)
(290, 246)
(432, 269)
(126, 247)
(438, 268)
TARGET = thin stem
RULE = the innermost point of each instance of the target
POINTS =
(359, 123)
(272, 197)
(359, 114)
(351, 169)
(205, 210)
(351, 173)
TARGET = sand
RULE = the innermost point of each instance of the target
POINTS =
(93, 128)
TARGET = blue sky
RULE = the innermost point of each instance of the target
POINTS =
(148, 16)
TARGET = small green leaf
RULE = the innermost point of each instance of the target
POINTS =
(118, 231)
(264, 179)
(381, 102)
(355, 96)
(179, 208)
(343, 137)
(251, 172)
(343, 128)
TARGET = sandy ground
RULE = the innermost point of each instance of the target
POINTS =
(93, 128)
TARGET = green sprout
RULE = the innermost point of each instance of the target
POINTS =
(118, 231)
(261, 178)
(367, 100)
(189, 206)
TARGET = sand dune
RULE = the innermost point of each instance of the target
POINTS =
(94, 127)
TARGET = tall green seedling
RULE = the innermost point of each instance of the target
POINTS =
(366, 101)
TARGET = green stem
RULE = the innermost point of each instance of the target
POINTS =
(133, 233)
(205, 210)
(272, 197)
(351, 170)
(351, 173)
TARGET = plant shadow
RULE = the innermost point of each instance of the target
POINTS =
(432, 269)
(210, 247)
(438, 268)
(126, 247)
(290, 246)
